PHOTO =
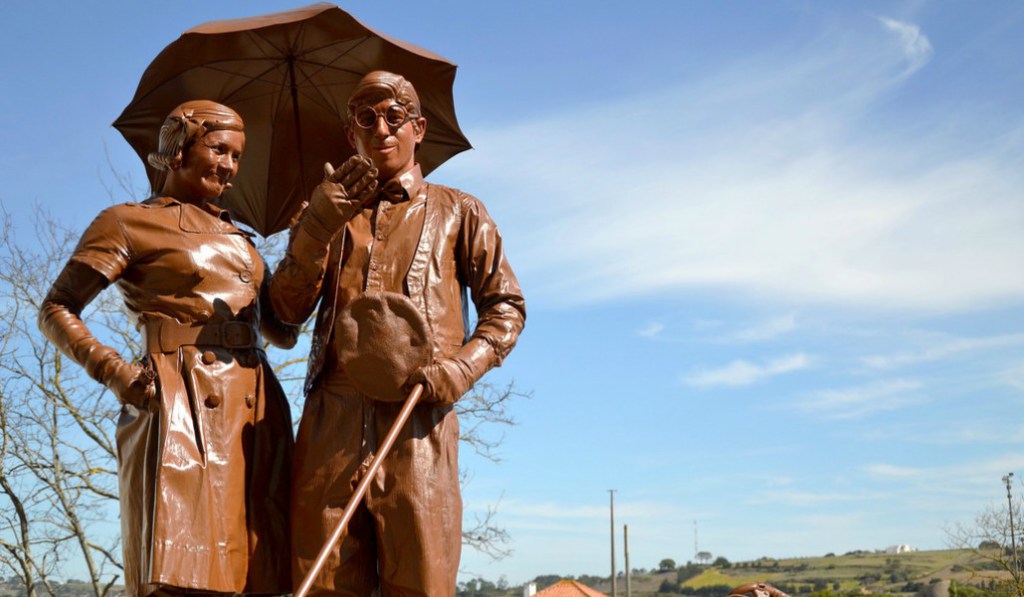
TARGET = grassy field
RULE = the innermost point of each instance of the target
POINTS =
(891, 570)
(864, 572)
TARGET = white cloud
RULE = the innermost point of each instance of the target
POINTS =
(725, 332)
(651, 330)
(966, 476)
(1014, 376)
(888, 470)
(856, 402)
(772, 180)
(941, 349)
(805, 498)
(743, 373)
(916, 46)
(767, 330)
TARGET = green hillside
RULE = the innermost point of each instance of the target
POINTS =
(857, 573)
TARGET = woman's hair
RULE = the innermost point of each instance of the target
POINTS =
(185, 125)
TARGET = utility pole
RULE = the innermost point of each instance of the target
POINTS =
(1008, 479)
(625, 554)
(696, 548)
(615, 590)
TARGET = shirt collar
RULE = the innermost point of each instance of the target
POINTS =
(189, 223)
(404, 186)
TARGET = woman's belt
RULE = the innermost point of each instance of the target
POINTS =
(166, 335)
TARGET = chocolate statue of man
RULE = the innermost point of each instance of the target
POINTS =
(375, 224)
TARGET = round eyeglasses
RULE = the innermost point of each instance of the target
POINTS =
(394, 116)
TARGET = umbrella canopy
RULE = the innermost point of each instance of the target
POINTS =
(289, 76)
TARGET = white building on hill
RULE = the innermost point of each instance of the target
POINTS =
(901, 548)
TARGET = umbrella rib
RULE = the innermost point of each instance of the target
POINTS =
(249, 79)
(257, 37)
(311, 89)
(330, 64)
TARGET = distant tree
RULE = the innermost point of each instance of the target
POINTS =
(703, 556)
(590, 580)
(476, 587)
(688, 571)
(721, 562)
(666, 565)
(668, 586)
(546, 580)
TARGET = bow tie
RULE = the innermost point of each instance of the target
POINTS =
(393, 191)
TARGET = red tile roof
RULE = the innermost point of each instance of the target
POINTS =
(569, 588)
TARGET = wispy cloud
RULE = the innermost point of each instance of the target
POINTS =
(860, 401)
(975, 473)
(891, 471)
(724, 332)
(916, 46)
(805, 498)
(1014, 376)
(771, 179)
(743, 373)
(651, 330)
(767, 330)
(571, 512)
(942, 349)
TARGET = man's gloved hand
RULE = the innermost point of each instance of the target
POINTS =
(444, 381)
(342, 193)
(132, 384)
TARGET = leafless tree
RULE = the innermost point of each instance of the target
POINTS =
(56, 426)
(988, 540)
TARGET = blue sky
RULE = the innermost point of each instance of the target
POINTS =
(772, 252)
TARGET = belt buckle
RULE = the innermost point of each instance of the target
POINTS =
(237, 334)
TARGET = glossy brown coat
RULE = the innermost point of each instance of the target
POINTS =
(204, 470)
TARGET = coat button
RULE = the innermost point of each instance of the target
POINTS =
(245, 275)
(213, 400)
(250, 400)
(209, 357)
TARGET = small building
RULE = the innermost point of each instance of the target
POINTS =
(901, 548)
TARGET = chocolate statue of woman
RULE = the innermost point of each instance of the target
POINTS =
(204, 437)
(375, 225)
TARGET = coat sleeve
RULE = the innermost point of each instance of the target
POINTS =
(295, 286)
(277, 332)
(493, 287)
(101, 256)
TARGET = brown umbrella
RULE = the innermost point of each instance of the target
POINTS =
(289, 75)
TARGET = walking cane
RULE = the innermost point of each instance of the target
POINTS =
(381, 339)
(364, 484)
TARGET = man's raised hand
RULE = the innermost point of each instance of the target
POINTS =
(342, 193)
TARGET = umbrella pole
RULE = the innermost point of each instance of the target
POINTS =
(364, 484)
(298, 128)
